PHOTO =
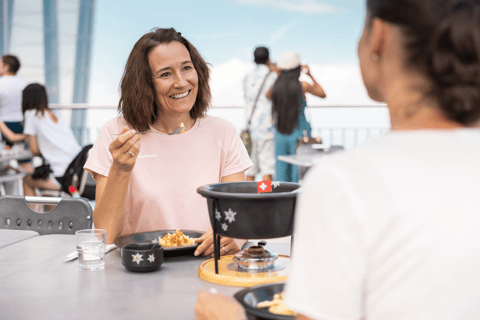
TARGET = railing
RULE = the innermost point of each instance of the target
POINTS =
(349, 137)
(345, 125)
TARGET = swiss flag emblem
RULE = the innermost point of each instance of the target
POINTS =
(264, 186)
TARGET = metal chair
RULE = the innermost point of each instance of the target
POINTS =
(68, 216)
(77, 177)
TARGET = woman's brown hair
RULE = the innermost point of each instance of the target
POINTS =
(137, 98)
(34, 97)
(442, 41)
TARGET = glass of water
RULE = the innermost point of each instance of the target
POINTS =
(91, 245)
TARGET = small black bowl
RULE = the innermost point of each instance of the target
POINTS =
(142, 257)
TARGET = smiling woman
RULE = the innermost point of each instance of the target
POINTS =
(175, 80)
(163, 60)
(148, 182)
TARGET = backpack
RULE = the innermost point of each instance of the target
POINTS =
(72, 179)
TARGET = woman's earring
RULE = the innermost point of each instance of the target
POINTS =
(375, 57)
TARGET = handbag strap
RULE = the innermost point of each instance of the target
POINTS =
(256, 100)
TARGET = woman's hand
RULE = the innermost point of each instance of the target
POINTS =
(125, 150)
(211, 306)
(227, 245)
(273, 67)
(306, 70)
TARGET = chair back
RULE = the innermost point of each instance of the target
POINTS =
(70, 215)
(76, 178)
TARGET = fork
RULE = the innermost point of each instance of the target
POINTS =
(166, 134)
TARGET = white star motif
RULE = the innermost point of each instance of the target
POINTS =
(224, 226)
(218, 215)
(275, 184)
(263, 186)
(154, 241)
(230, 215)
(137, 258)
(151, 258)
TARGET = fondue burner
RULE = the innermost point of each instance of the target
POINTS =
(255, 259)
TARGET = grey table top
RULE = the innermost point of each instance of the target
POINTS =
(7, 155)
(35, 283)
(9, 237)
(6, 176)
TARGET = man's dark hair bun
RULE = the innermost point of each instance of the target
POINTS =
(454, 62)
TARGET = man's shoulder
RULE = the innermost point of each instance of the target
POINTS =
(250, 75)
(13, 80)
(259, 70)
(23, 80)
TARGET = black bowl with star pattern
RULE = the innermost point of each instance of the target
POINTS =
(239, 211)
(142, 257)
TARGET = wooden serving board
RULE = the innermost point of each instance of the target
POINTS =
(228, 277)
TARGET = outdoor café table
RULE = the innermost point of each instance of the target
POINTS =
(9, 237)
(7, 155)
(9, 176)
(302, 160)
(35, 283)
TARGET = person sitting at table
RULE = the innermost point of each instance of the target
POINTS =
(390, 230)
(49, 136)
(10, 135)
(147, 172)
(288, 96)
(13, 137)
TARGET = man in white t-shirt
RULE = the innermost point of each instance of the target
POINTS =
(261, 125)
(11, 87)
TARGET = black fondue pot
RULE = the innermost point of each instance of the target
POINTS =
(237, 210)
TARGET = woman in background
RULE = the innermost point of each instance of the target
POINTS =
(288, 109)
(390, 230)
(49, 136)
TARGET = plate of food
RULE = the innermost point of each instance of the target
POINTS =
(265, 302)
(174, 242)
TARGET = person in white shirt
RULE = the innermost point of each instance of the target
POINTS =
(261, 128)
(11, 87)
(391, 230)
(9, 134)
(49, 135)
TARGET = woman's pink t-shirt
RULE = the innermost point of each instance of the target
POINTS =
(162, 193)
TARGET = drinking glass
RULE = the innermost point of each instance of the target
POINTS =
(91, 245)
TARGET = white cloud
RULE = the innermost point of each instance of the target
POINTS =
(227, 82)
(342, 83)
(303, 6)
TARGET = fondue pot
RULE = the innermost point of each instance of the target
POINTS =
(237, 210)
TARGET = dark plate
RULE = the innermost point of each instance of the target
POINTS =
(147, 237)
(249, 298)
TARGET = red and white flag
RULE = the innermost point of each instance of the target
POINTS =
(264, 186)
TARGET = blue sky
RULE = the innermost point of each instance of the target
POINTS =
(324, 33)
